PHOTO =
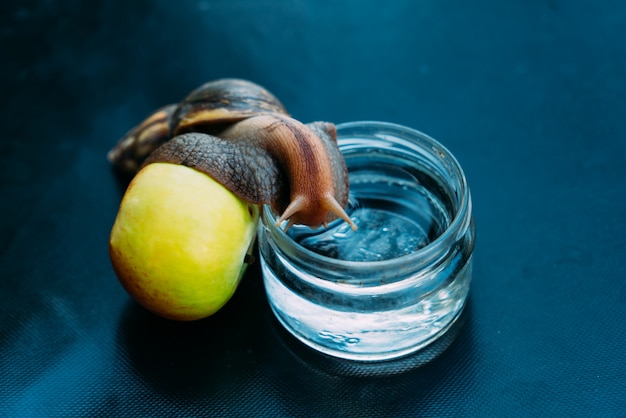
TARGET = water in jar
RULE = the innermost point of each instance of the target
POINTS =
(399, 207)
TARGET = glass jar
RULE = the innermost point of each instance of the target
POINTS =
(399, 281)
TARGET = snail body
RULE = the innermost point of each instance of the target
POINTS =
(240, 134)
(317, 177)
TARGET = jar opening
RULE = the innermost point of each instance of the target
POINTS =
(410, 194)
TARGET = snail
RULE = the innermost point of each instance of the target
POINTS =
(241, 135)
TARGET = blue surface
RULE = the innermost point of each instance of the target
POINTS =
(530, 97)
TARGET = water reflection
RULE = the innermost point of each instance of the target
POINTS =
(198, 356)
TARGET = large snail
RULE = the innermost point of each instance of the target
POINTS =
(241, 135)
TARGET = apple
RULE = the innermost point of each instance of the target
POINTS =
(179, 241)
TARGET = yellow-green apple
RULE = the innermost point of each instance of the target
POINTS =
(179, 241)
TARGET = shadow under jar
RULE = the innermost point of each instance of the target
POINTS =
(399, 281)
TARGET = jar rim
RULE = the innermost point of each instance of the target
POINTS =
(459, 222)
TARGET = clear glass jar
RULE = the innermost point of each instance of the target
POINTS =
(401, 280)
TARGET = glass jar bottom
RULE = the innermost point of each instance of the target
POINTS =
(374, 335)
(311, 357)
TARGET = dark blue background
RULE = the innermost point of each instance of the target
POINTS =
(529, 95)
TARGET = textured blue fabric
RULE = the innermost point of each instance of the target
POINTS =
(529, 95)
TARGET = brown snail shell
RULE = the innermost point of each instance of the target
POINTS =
(134, 147)
(209, 108)
(217, 104)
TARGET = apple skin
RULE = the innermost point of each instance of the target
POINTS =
(179, 241)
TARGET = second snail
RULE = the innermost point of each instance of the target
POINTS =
(187, 223)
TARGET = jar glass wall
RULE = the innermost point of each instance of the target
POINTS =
(401, 279)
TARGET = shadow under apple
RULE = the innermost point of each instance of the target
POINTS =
(175, 356)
